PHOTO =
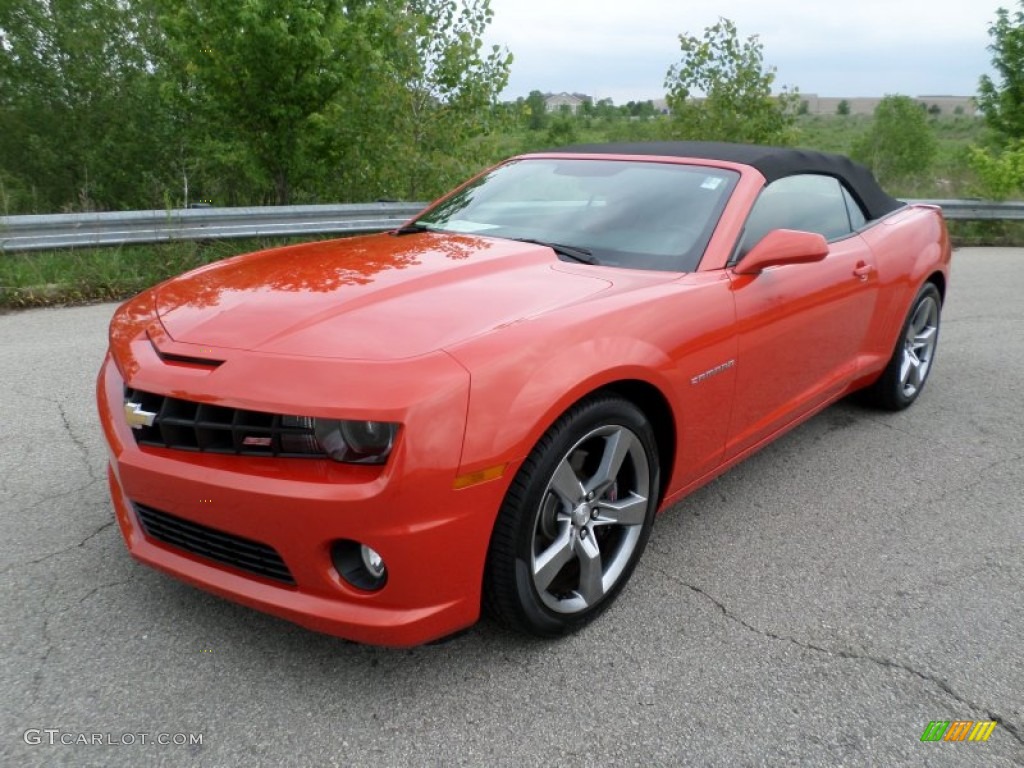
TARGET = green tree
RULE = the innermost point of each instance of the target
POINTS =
(79, 110)
(843, 108)
(256, 74)
(722, 91)
(420, 113)
(900, 143)
(641, 109)
(1000, 175)
(537, 115)
(442, 97)
(562, 130)
(606, 110)
(1002, 100)
(142, 103)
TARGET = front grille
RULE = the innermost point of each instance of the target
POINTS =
(192, 426)
(221, 547)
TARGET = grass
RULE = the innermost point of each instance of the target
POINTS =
(1006, 234)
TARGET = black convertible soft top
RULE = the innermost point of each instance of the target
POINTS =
(773, 163)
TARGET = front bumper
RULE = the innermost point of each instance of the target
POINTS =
(432, 537)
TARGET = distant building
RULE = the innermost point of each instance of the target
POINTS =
(556, 102)
(816, 105)
(865, 105)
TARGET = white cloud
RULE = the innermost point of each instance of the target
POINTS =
(870, 47)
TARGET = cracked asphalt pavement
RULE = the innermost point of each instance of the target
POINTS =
(819, 604)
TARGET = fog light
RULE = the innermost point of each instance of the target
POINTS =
(372, 561)
(359, 565)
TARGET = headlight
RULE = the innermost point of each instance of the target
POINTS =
(356, 442)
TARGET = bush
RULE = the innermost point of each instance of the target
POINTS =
(900, 144)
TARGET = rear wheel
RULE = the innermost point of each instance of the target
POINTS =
(575, 520)
(904, 377)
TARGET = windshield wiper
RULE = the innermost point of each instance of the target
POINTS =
(410, 229)
(573, 252)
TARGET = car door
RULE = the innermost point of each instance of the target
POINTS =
(800, 327)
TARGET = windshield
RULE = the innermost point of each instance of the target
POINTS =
(643, 215)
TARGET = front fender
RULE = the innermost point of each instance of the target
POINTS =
(514, 400)
(525, 376)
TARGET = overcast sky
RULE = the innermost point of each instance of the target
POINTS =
(622, 49)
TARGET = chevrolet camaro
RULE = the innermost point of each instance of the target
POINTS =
(379, 437)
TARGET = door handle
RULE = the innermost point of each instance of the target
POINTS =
(862, 270)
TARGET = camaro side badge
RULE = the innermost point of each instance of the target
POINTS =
(712, 372)
(136, 417)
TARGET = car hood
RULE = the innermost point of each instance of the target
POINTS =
(373, 298)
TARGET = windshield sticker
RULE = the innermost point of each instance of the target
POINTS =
(712, 182)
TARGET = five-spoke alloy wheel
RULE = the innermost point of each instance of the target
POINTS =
(904, 377)
(919, 341)
(575, 519)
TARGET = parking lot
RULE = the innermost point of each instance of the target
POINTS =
(820, 604)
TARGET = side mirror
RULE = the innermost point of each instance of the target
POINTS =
(783, 246)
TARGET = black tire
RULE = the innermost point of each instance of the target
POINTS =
(575, 520)
(907, 372)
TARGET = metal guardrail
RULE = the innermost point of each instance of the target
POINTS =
(978, 210)
(80, 230)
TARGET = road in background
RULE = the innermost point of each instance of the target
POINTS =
(820, 604)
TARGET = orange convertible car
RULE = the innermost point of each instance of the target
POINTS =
(379, 436)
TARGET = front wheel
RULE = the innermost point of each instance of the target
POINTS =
(905, 375)
(575, 520)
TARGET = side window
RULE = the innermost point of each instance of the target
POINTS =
(809, 202)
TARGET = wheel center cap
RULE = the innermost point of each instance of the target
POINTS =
(581, 516)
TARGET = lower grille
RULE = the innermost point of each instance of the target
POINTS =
(221, 547)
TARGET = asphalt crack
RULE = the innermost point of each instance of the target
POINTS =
(943, 685)
(50, 555)
(57, 496)
(94, 478)
(48, 641)
(78, 442)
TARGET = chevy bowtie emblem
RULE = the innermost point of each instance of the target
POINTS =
(136, 417)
